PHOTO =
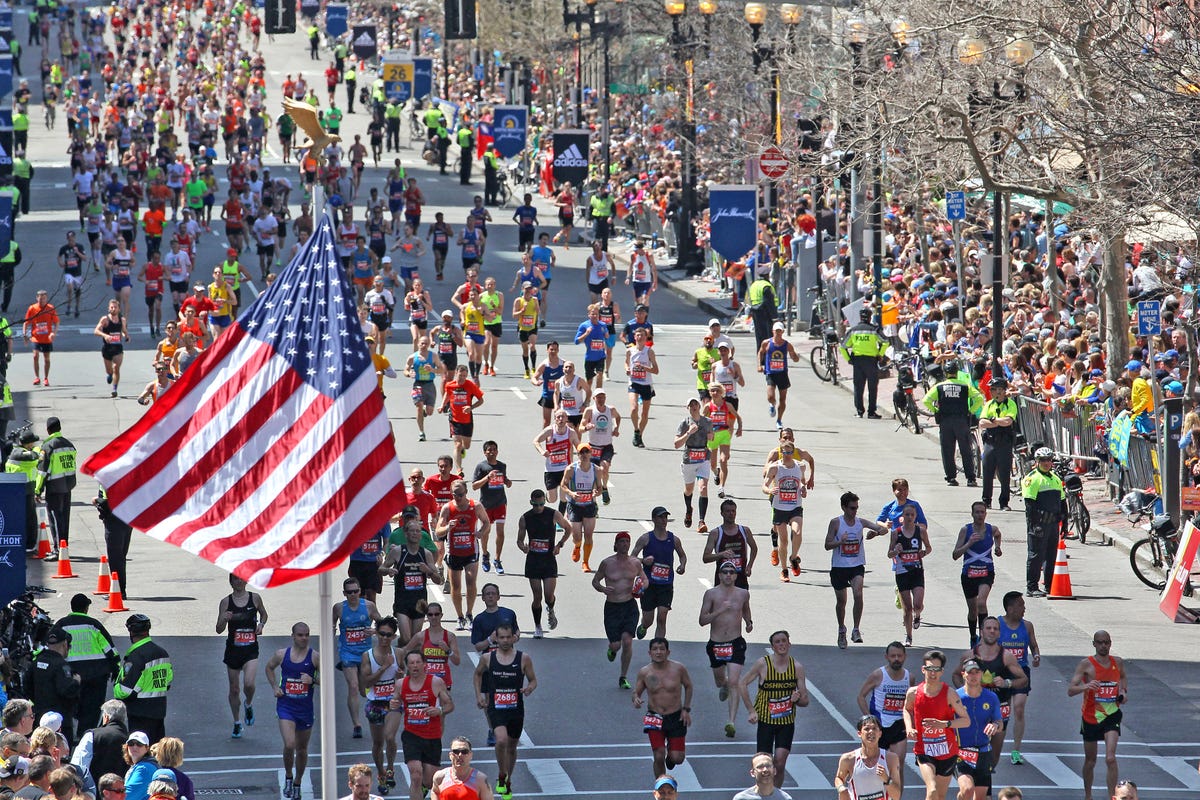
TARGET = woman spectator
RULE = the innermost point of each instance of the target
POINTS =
(169, 754)
(142, 766)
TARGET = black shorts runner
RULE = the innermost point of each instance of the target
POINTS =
(416, 748)
(776, 737)
(840, 578)
(620, 619)
(896, 732)
(1095, 732)
(658, 595)
(736, 652)
(942, 767)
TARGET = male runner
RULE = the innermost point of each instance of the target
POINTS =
(462, 397)
(1102, 681)
(602, 423)
(669, 708)
(525, 312)
(490, 480)
(545, 376)
(1001, 673)
(848, 559)
(462, 522)
(641, 365)
(978, 542)
(931, 711)
(580, 483)
(617, 577)
(377, 676)
(731, 542)
(786, 484)
(975, 766)
(869, 771)
(781, 690)
(882, 696)
(694, 433)
(510, 679)
(412, 567)
(657, 550)
(298, 677)
(424, 700)
(541, 566)
(725, 607)
(353, 617)
(1017, 637)
(723, 416)
(773, 355)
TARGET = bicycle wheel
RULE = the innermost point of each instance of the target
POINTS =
(901, 411)
(819, 366)
(503, 195)
(1080, 520)
(1146, 558)
(913, 416)
(832, 360)
(976, 457)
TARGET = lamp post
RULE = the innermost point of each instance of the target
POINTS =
(683, 43)
(577, 18)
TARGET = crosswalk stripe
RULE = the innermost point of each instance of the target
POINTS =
(1180, 770)
(550, 776)
(805, 774)
(1055, 769)
(685, 776)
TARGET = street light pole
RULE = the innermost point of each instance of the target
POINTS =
(684, 45)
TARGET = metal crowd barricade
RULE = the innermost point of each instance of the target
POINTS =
(1031, 422)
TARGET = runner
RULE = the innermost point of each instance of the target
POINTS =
(890, 513)
(545, 375)
(441, 487)
(781, 690)
(723, 415)
(439, 236)
(668, 705)
(593, 334)
(544, 260)
(424, 699)
(40, 326)
(555, 444)
(619, 577)
(733, 543)
(599, 266)
(882, 696)
(602, 423)
(786, 484)
(365, 561)
(848, 558)
(412, 567)
(694, 433)
(411, 250)
(525, 312)
(492, 303)
(1018, 638)
(380, 305)
(120, 265)
(353, 617)
(470, 242)
(869, 771)
(907, 548)
(70, 259)
(610, 312)
(932, 711)
(579, 483)
(641, 365)
(702, 361)
(294, 688)
(565, 202)
(977, 543)
(377, 676)
(772, 362)
(572, 394)
(446, 339)
(472, 323)
(490, 480)
(424, 367)
(460, 781)
(111, 330)
(462, 396)
(975, 764)
(762, 769)
(728, 373)
(1104, 684)
(152, 274)
(510, 679)
(419, 305)
(244, 614)
(541, 566)
(643, 273)
(463, 523)
(725, 607)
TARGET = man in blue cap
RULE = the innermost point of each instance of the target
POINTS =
(666, 788)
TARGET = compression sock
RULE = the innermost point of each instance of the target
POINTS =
(587, 552)
(537, 616)
(687, 502)
(703, 506)
(525, 361)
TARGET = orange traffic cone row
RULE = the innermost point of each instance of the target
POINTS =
(104, 580)
(64, 563)
(44, 546)
(1060, 584)
(115, 601)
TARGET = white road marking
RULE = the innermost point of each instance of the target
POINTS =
(1054, 769)
(550, 776)
(685, 776)
(805, 773)
(306, 785)
(649, 526)
(1180, 770)
(829, 707)
(520, 395)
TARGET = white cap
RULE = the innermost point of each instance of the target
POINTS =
(447, 313)
(386, 260)
(714, 321)
(52, 720)
(778, 326)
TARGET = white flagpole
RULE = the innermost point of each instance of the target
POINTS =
(328, 642)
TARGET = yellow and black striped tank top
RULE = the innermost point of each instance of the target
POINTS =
(773, 703)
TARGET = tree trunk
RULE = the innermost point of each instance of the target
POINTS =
(1114, 299)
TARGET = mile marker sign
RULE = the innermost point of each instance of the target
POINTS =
(772, 162)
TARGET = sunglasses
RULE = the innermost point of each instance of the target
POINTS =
(537, 502)
(352, 591)
(460, 751)
(933, 669)
(385, 634)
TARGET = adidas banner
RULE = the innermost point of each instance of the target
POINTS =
(365, 41)
(570, 150)
(509, 126)
(733, 217)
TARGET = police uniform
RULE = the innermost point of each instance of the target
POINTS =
(953, 402)
(1045, 509)
(143, 681)
(466, 143)
(55, 480)
(92, 657)
(998, 448)
(54, 685)
(862, 347)
(24, 461)
(763, 304)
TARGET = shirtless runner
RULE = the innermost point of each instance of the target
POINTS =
(617, 577)
(724, 608)
(669, 710)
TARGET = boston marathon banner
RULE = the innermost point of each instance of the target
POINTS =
(570, 151)
(422, 77)
(509, 128)
(365, 41)
(337, 19)
(733, 214)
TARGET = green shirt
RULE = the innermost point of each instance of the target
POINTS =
(195, 189)
(705, 358)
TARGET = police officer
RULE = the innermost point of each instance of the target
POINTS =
(466, 143)
(391, 120)
(92, 657)
(350, 78)
(24, 460)
(55, 480)
(314, 42)
(862, 347)
(117, 535)
(491, 176)
(602, 209)
(8, 270)
(145, 677)
(1045, 509)
(22, 177)
(953, 403)
(55, 686)
(997, 424)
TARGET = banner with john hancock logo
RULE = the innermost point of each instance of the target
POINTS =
(509, 126)
(571, 156)
(733, 215)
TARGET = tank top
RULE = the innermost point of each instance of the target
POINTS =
(396, 190)
(452, 788)
(444, 339)
(719, 416)
(527, 316)
(550, 374)
(601, 434)
(887, 701)
(736, 543)
(640, 268)
(112, 330)
(597, 269)
(608, 317)
(423, 368)
(409, 577)
(437, 657)
(571, 396)
(865, 783)
(583, 483)
(1016, 641)
(506, 682)
(558, 451)
(243, 626)
(1102, 703)
(773, 702)
(412, 201)
(417, 703)
(940, 744)
(994, 668)
(441, 235)
(121, 263)
(977, 560)
(462, 530)
(539, 527)
(662, 571)
(385, 687)
(909, 557)
(789, 482)
(725, 376)
(849, 551)
(354, 635)
(472, 319)
(639, 366)
(470, 244)
(296, 691)
(376, 236)
(775, 358)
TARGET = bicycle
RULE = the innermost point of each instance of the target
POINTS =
(1153, 557)
(824, 357)
(904, 404)
(503, 193)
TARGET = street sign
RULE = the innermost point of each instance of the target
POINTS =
(956, 205)
(397, 73)
(628, 88)
(772, 162)
(1149, 318)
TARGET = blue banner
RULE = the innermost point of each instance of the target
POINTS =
(6, 221)
(510, 124)
(733, 216)
(422, 77)
(6, 75)
(12, 536)
(337, 19)
(6, 18)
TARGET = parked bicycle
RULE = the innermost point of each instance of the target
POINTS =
(903, 402)
(1079, 519)
(1153, 557)
(824, 357)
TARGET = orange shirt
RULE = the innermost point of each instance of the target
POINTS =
(196, 329)
(153, 221)
(461, 396)
(40, 321)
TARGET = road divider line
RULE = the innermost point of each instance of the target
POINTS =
(1180, 770)
(1055, 769)
(841, 720)
(550, 776)
(685, 776)
(705, 582)
(805, 773)
(520, 395)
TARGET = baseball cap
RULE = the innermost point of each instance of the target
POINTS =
(659, 511)
(1160, 357)
(231, 252)
(29, 437)
(164, 774)
(600, 390)
(80, 600)
(410, 511)
(723, 346)
(642, 307)
(583, 447)
(971, 665)
(622, 535)
(778, 326)
(447, 313)
(57, 636)
(666, 780)
(693, 402)
(14, 767)
(727, 563)
(1133, 365)
(1171, 354)
(526, 285)
(385, 260)
(52, 720)
(1174, 387)
(714, 321)
(139, 737)
(1096, 373)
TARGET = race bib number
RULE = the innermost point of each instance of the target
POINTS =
(776, 363)
(370, 548)
(41, 328)
(527, 320)
(1108, 691)
(936, 744)
(652, 722)
(696, 455)
(1005, 709)
(472, 327)
(910, 557)
(851, 547)
(975, 571)
(244, 637)
(436, 667)
(416, 715)
(601, 273)
(789, 491)
(460, 397)
(506, 699)
(385, 688)
(462, 539)
(418, 315)
(418, 394)
(569, 403)
(723, 652)
(660, 573)
(730, 389)
(445, 347)
(378, 307)
(356, 635)
(295, 688)
(558, 458)
(152, 286)
(596, 345)
(969, 756)
(1018, 652)
(706, 376)
(779, 708)
(893, 703)
(539, 546)
(114, 339)
(638, 372)
(414, 581)
(583, 497)
(495, 481)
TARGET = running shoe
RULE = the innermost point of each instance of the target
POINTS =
(587, 567)
(421, 436)
(842, 638)
(1016, 758)
(730, 731)
(391, 778)
(605, 496)
(795, 562)
(687, 518)
(249, 716)
(108, 378)
(723, 694)
(771, 410)
(527, 373)
(237, 730)
(612, 654)
(537, 632)
(856, 636)
(470, 618)
(721, 492)
(446, 587)
(38, 381)
(491, 739)
(506, 794)
(288, 788)
(551, 617)
(774, 558)
(778, 425)
(114, 392)
(487, 561)
(623, 683)
(383, 787)
(575, 553)
(357, 732)
(499, 567)
(783, 576)
(641, 631)
(702, 527)
(46, 383)
(916, 622)
(908, 640)
(462, 623)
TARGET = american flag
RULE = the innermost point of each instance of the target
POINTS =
(272, 456)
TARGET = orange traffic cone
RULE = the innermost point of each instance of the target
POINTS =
(64, 563)
(104, 580)
(115, 601)
(44, 546)
(1060, 584)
